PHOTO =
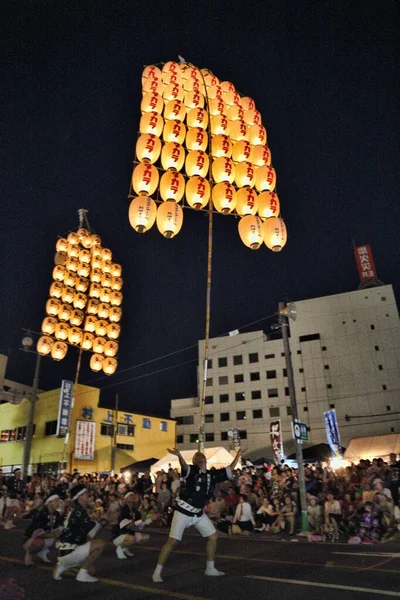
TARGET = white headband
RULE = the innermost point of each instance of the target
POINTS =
(128, 494)
(51, 498)
(79, 494)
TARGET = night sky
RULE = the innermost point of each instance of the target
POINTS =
(323, 74)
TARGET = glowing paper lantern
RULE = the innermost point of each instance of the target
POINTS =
(172, 186)
(52, 307)
(227, 86)
(106, 254)
(70, 278)
(56, 289)
(60, 258)
(268, 205)
(235, 113)
(59, 350)
(96, 240)
(96, 362)
(74, 336)
(59, 273)
(73, 238)
(221, 146)
(93, 306)
(61, 331)
(171, 69)
(90, 323)
(194, 99)
(220, 124)
(115, 314)
(96, 275)
(192, 85)
(215, 91)
(261, 156)
(265, 179)
(251, 231)
(117, 284)
(197, 192)
(169, 78)
(245, 174)
(209, 78)
(111, 348)
(148, 148)
(247, 103)
(116, 270)
(174, 131)
(116, 297)
(238, 131)
(62, 245)
(101, 327)
(44, 345)
(113, 330)
(65, 312)
(231, 98)
(217, 107)
(173, 91)
(275, 234)
(103, 310)
(224, 197)
(246, 202)
(98, 345)
(242, 151)
(257, 135)
(153, 84)
(175, 109)
(95, 290)
(223, 169)
(77, 317)
(49, 325)
(196, 139)
(169, 221)
(106, 280)
(72, 264)
(84, 237)
(252, 117)
(189, 72)
(142, 214)
(68, 294)
(87, 340)
(197, 117)
(152, 102)
(106, 266)
(145, 179)
(97, 262)
(73, 250)
(151, 122)
(197, 163)
(110, 365)
(105, 295)
(83, 270)
(80, 300)
(82, 284)
(150, 72)
(172, 156)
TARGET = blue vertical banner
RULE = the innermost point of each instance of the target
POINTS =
(332, 433)
(64, 408)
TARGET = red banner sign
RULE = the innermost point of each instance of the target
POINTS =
(276, 441)
(365, 263)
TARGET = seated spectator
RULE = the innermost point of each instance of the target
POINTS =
(333, 513)
(244, 516)
(175, 486)
(221, 504)
(231, 500)
(315, 516)
(266, 515)
(380, 489)
(212, 510)
(164, 497)
(288, 514)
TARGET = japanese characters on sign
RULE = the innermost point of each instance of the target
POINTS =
(146, 424)
(300, 431)
(276, 440)
(234, 438)
(64, 408)
(85, 440)
(332, 433)
(365, 263)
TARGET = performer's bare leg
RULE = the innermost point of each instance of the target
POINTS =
(210, 554)
(162, 559)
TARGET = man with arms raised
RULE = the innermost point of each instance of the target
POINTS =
(193, 496)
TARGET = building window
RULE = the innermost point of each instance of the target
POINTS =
(223, 362)
(305, 408)
(256, 395)
(372, 326)
(388, 407)
(383, 299)
(224, 398)
(124, 429)
(274, 411)
(343, 322)
(179, 439)
(238, 359)
(268, 356)
(380, 367)
(243, 434)
(271, 374)
(224, 417)
(298, 351)
(282, 354)
(223, 380)
(301, 370)
(255, 376)
(189, 420)
(146, 423)
(50, 428)
(209, 400)
(224, 436)
(289, 411)
(239, 378)
(253, 357)
(21, 433)
(331, 406)
(284, 371)
(303, 389)
(377, 348)
(106, 430)
(384, 387)
(125, 446)
(193, 438)
(326, 367)
(209, 437)
(309, 338)
(209, 382)
(287, 393)
(240, 415)
(257, 413)
(323, 348)
(209, 363)
(273, 393)
(163, 426)
(209, 418)
(329, 386)
(5, 435)
(354, 320)
(239, 396)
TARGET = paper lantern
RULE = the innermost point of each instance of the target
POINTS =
(106, 254)
(170, 68)
(44, 345)
(96, 240)
(220, 124)
(197, 192)
(173, 91)
(172, 156)
(209, 78)
(268, 205)
(59, 350)
(101, 327)
(49, 325)
(74, 336)
(217, 107)
(80, 300)
(105, 295)
(257, 135)
(169, 78)
(97, 261)
(247, 103)
(115, 314)
(238, 131)
(223, 169)
(189, 72)
(96, 275)
(92, 306)
(197, 117)
(106, 280)
(231, 98)
(113, 330)
(87, 340)
(252, 117)
(169, 223)
(82, 232)
(109, 366)
(82, 284)
(96, 362)
(61, 331)
(172, 186)
(106, 266)
(193, 85)
(73, 250)
(145, 179)
(242, 151)
(116, 297)
(73, 238)
(175, 110)
(53, 306)
(111, 348)
(214, 91)
(98, 344)
(72, 264)
(251, 231)
(117, 284)
(197, 163)
(245, 174)
(148, 148)
(64, 312)
(221, 146)
(224, 197)
(59, 273)
(77, 317)
(60, 258)
(261, 156)
(227, 86)
(235, 113)
(151, 122)
(152, 102)
(265, 179)
(116, 270)
(90, 323)
(150, 72)
(246, 202)
(95, 290)
(174, 131)
(85, 238)
(275, 234)
(56, 289)
(68, 294)
(153, 84)
(83, 270)
(196, 139)
(62, 245)
(194, 99)
(70, 278)
(103, 310)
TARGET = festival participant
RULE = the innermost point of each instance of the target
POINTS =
(123, 532)
(42, 533)
(198, 489)
(15, 487)
(73, 545)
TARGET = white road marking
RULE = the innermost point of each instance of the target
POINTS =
(393, 554)
(348, 588)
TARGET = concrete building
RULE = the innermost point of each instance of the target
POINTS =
(346, 355)
(11, 391)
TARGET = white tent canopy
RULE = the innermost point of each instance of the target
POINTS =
(216, 457)
(380, 446)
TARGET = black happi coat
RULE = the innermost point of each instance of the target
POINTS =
(198, 488)
(76, 528)
(44, 519)
(132, 515)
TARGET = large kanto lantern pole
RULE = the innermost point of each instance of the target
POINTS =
(192, 121)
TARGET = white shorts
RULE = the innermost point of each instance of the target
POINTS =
(13, 502)
(180, 522)
(76, 557)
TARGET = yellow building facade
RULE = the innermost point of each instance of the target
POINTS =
(138, 437)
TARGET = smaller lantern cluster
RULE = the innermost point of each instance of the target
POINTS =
(181, 108)
(84, 307)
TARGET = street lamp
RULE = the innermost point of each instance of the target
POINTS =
(192, 122)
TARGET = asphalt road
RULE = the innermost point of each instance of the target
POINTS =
(256, 567)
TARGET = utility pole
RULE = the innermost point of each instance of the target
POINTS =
(114, 438)
(284, 322)
(31, 419)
